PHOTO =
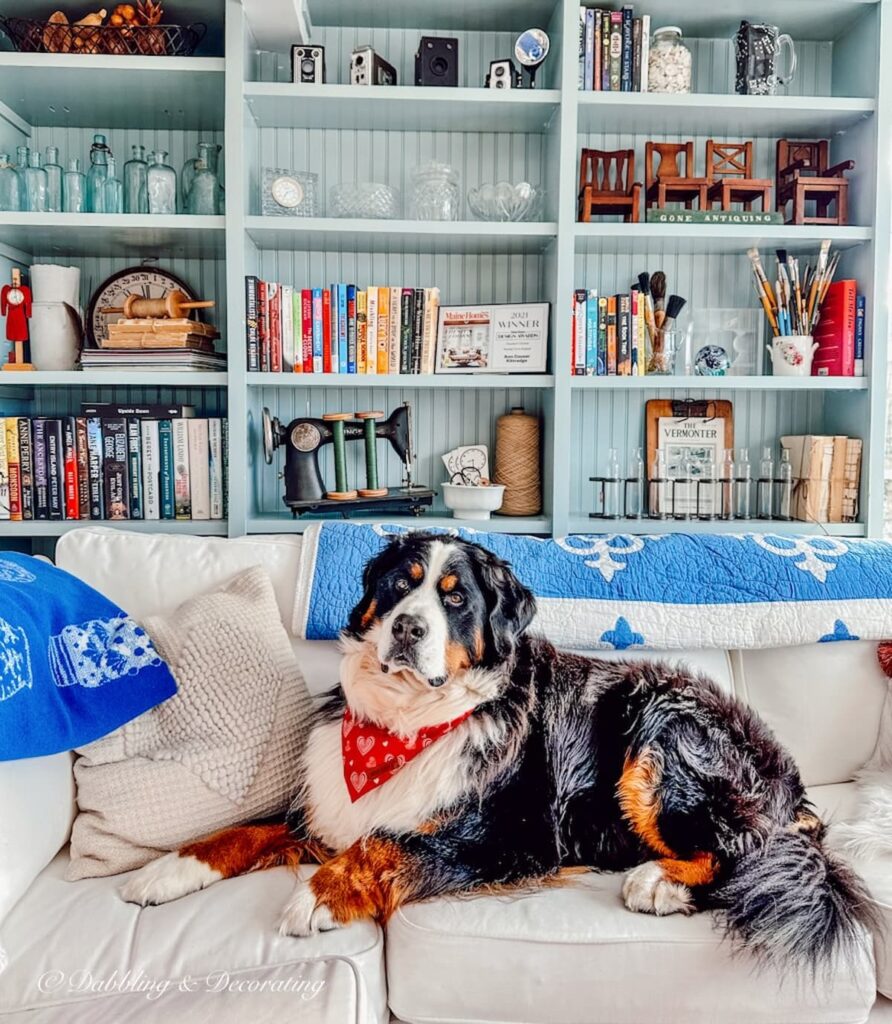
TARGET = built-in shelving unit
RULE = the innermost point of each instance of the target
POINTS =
(237, 91)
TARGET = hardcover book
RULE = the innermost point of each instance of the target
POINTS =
(182, 470)
(287, 328)
(116, 468)
(393, 350)
(69, 450)
(318, 333)
(55, 468)
(371, 302)
(151, 469)
(5, 510)
(94, 463)
(41, 480)
(252, 332)
(83, 467)
(199, 469)
(167, 488)
(835, 333)
(383, 329)
(274, 299)
(351, 328)
(215, 466)
(417, 331)
(26, 467)
(10, 426)
(431, 323)
(134, 465)
(407, 321)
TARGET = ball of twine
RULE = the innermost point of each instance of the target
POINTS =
(517, 463)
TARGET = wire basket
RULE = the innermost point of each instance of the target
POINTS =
(29, 35)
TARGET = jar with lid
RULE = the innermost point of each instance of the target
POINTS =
(670, 63)
(435, 192)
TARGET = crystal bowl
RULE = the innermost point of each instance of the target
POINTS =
(506, 202)
(364, 200)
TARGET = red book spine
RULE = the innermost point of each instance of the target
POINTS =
(72, 497)
(275, 330)
(306, 328)
(835, 333)
(326, 329)
(263, 325)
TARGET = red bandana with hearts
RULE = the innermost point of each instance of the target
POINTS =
(372, 755)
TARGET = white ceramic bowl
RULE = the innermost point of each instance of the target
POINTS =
(473, 502)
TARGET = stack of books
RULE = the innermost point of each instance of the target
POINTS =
(608, 334)
(114, 462)
(152, 359)
(614, 47)
(340, 329)
(826, 475)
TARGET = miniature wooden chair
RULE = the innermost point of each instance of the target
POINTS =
(607, 185)
(672, 179)
(729, 170)
(804, 177)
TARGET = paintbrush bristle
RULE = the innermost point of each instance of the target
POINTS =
(781, 255)
(658, 285)
(675, 305)
(644, 283)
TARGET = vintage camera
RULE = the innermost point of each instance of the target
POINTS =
(367, 68)
(502, 75)
(436, 62)
(308, 65)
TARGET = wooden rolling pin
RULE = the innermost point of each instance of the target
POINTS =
(175, 305)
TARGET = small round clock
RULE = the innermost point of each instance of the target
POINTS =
(287, 191)
(147, 281)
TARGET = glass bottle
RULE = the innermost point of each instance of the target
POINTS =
(743, 477)
(203, 193)
(706, 490)
(612, 486)
(656, 498)
(74, 191)
(669, 63)
(23, 161)
(728, 488)
(54, 174)
(635, 486)
(136, 196)
(685, 503)
(161, 185)
(35, 184)
(785, 486)
(10, 186)
(210, 153)
(765, 498)
(97, 175)
(114, 189)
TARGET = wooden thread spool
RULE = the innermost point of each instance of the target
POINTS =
(175, 306)
(371, 490)
(517, 463)
(339, 443)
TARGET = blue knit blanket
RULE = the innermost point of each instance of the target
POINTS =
(73, 666)
(617, 591)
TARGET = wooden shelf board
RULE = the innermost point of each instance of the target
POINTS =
(645, 239)
(113, 379)
(84, 91)
(401, 108)
(323, 234)
(654, 382)
(267, 522)
(492, 16)
(44, 528)
(465, 381)
(582, 524)
(125, 234)
(722, 115)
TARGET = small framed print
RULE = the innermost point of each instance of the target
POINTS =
(509, 338)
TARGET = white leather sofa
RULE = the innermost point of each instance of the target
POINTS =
(76, 953)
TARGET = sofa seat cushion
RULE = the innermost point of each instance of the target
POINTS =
(576, 954)
(219, 949)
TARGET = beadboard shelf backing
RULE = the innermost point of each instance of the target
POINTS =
(494, 15)
(583, 524)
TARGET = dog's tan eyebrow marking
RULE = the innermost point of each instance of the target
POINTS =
(370, 612)
(448, 583)
(416, 570)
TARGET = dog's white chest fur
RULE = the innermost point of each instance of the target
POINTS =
(432, 781)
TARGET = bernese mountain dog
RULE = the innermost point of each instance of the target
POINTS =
(461, 753)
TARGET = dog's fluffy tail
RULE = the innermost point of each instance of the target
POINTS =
(790, 902)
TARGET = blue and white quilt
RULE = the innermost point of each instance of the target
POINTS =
(73, 666)
(618, 591)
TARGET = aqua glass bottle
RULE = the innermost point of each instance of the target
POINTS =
(35, 184)
(136, 195)
(210, 153)
(10, 186)
(114, 189)
(54, 174)
(203, 193)
(97, 175)
(23, 159)
(74, 190)
(162, 185)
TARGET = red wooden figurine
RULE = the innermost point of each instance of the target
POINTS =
(15, 305)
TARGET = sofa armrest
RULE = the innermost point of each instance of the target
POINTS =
(37, 808)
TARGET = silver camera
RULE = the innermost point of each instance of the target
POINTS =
(502, 75)
(367, 68)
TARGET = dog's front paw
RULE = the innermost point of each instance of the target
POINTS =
(303, 915)
(167, 878)
(646, 890)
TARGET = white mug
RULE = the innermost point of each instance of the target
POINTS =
(792, 354)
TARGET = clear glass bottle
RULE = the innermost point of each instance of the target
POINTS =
(635, 486)
(10, 186)
(686, 488)
(136, 195)
(657, 489)
(706, 488)
(54, 174)
(97, 175)
(161, 185)
(785, 486)
(203, 193)
(729, 507)
(743, 478)
(435, 192)
(612, 486)
(210, 153)
(765, 498)
(35, 184)
(74, 188)
(114, 189)
(23, 161)
(670, 64)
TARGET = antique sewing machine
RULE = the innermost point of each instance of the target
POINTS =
(303, 438)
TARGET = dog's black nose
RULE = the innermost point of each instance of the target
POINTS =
(408, 629)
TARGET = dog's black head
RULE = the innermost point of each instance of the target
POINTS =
(438, 606)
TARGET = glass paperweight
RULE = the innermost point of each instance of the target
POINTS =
(711, 361)
(35, 184)
(10, 186)
(136, 195)
(202, 199)
(74, 188)
(97, 175)
(54, 174)
(162, 185)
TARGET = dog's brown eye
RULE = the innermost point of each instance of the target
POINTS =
(455, 599)
(402, 585)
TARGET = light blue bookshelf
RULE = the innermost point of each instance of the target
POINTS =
(237, 90)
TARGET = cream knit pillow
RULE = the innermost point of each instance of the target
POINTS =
(223, 751)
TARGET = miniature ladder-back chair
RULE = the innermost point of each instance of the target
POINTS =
(729, 169)
(607, 185)
(804, 177)
(671, 180)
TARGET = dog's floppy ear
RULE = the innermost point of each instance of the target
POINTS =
(363, 615)
(510, 605)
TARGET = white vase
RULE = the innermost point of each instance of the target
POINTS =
(56, 332)
(792, 355)
(53, 283)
